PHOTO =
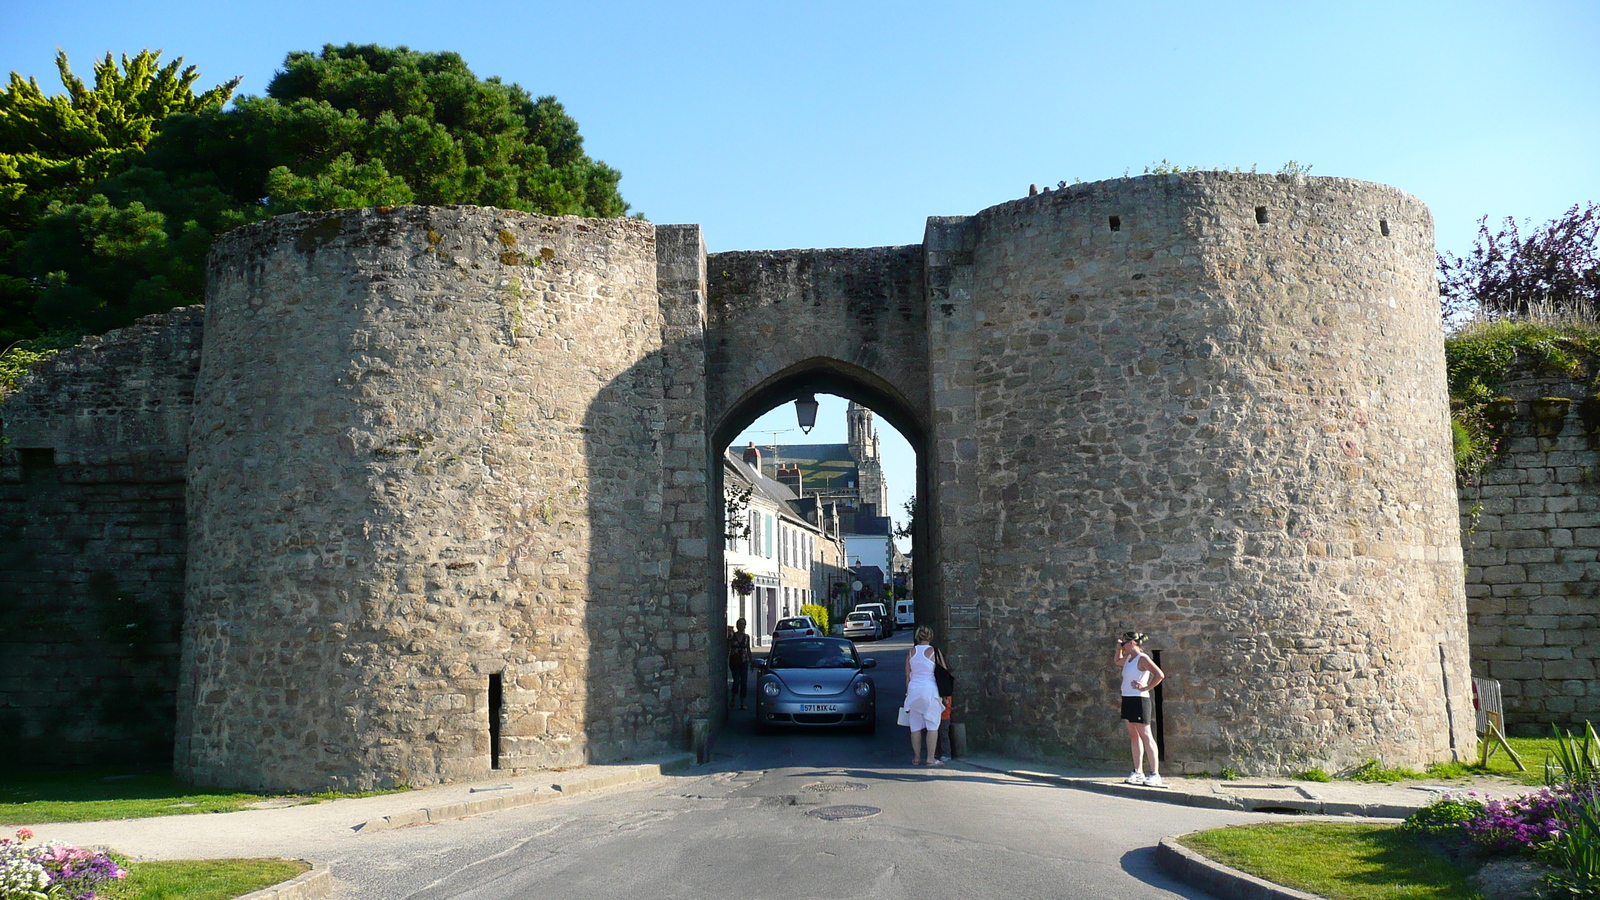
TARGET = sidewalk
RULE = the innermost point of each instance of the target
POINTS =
(277, 829)
(1281, 795)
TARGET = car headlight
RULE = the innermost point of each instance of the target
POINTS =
(770, 689)
(863, 688)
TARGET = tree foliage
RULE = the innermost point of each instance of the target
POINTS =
(909, 527)
(1556, 267)
(111, 197)
(55, 149)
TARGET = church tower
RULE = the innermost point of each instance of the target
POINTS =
(864, 449)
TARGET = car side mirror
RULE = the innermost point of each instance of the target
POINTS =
(761, 664)
(868, 662)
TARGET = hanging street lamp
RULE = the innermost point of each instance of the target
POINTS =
(805, 409)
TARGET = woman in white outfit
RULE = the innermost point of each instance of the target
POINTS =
(922, 699)
(1140, 675)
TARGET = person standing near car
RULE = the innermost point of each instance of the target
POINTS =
(739, 664)
(1140, 675)
(923, 704)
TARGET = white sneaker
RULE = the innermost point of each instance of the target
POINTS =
(1137, 778)
(1154, 781)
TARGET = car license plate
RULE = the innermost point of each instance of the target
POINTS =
(819, 707)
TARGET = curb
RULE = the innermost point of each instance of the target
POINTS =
(525, 798)
(310, 885)
(1234, 802)
(1217, 879)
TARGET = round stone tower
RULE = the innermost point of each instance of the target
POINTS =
(1210, 407)
(409, 424)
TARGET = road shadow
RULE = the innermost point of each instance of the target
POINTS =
(1141, 864)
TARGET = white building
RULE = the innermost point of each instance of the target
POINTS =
(768, 537)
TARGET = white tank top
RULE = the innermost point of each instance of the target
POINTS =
(1131, 674)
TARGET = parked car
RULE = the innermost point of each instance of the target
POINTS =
(816, 682)
(905, 614)
(796, 626)
(882, 612)
(861, 624)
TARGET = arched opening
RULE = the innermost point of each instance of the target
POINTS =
(813, 518)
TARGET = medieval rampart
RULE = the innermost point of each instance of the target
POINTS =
(1531, 529)
(92, 544)
(1210, 407)
(420, 436)
(450, 476)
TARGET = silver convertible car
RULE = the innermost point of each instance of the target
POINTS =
(816, 682)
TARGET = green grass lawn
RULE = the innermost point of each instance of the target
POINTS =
(86, 795)
(199, 879)
(1339, 861)
(1534, 752)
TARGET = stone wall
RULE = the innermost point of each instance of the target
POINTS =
(431, 456)
(1531, 529)
(92, 545)
(1210, 407)
(449, 475)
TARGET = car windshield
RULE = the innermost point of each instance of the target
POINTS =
(793, 624)
(812, 654)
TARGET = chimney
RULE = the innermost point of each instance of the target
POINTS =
(789, 477)
(752, 456)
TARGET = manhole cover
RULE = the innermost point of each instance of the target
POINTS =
(835, 813)
(824, 787)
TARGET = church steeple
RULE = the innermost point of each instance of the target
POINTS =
(862, 435)
(864, 449)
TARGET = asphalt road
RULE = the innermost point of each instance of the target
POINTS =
(747, 826)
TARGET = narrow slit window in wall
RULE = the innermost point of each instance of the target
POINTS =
(1383, 227)
(1261, 215)
(496, 702)
(1116, 223)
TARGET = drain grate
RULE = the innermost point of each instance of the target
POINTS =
(835, 813)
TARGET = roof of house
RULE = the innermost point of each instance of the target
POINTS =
(822, 466)
(773, 491)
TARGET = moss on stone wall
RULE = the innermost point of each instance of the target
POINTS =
(1481, 357)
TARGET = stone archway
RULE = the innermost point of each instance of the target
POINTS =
(1210, 406)
(829, 376)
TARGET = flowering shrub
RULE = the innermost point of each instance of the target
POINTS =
(1444, 816)
(1560, 823)
(54, 870)
(1521, 824)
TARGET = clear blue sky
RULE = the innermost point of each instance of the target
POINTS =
(824, 124)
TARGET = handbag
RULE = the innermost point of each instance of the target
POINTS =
(904, 718)
(943, 678)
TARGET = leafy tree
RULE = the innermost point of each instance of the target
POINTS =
(362, 125)
(54, 149)
(909, 528)
(1556, 268)
(351, 126)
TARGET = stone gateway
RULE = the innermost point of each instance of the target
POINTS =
(451, 476)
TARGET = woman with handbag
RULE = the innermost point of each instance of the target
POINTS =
(923, 707)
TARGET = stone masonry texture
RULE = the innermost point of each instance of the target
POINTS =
(434, 450)
(1531, 529)
(429, 448)
(1211, 408)
(92, 544)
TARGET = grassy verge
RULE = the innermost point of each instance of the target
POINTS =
(199, 879)
(82, 795)
(1534, 752)
(1338, 861)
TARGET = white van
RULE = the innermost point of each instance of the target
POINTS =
(905, 614)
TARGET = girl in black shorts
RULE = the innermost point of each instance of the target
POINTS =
(1140, 675)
